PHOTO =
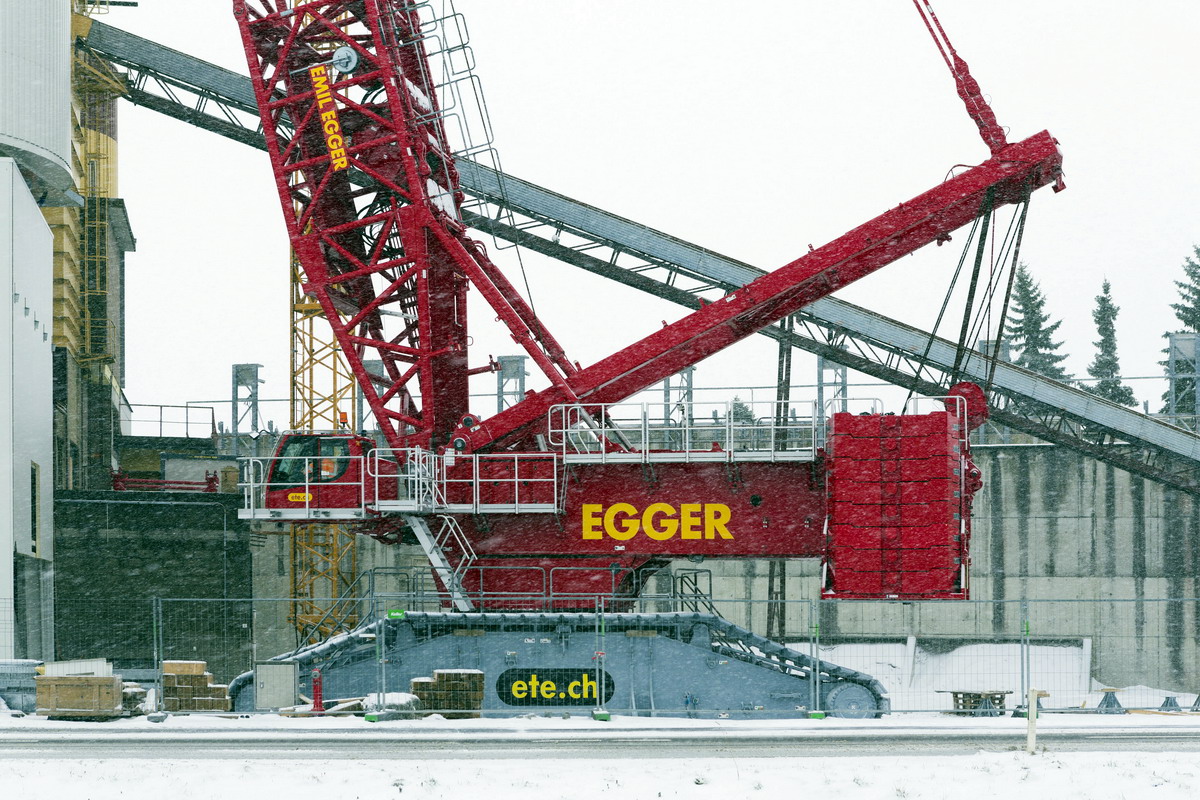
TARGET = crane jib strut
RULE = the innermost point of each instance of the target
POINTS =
(1021, 167)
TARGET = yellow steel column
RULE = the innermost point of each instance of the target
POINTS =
(323, 394)
(323, 387)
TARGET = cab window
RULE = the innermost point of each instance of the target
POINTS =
(333, 462)
(291, 463)
(311, 459)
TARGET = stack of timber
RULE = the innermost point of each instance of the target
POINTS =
(85, 689)
(188, 686)
(453, 693)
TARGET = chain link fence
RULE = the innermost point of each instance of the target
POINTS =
(935, 656)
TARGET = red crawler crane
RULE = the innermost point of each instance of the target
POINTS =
(370, 195)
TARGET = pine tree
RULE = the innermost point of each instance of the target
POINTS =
(740, 412)
(1105, 367)
(1029, 331)
(1187, 311)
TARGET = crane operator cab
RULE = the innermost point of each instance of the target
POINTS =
(315, 475)
(344, 476)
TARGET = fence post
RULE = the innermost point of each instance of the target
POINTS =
(378, 615)
(814, 637)
(156, 634)
(1026, 660)
(1031, 708)
(600, 712)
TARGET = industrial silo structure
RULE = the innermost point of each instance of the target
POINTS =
(35, 117)
(37, 179)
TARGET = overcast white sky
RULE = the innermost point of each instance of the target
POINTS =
(752, 128)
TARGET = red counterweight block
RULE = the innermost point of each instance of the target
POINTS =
(897, 506)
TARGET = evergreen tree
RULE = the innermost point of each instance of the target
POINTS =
(1029, 329)
(740, 412)
(1187, 311)
(1105, 367)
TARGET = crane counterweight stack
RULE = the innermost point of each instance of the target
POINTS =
(567, 494)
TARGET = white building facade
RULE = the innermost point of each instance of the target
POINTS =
(26, 423)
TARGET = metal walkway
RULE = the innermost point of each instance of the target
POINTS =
(221, 101)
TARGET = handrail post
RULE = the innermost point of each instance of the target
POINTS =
(728, 430)
(517, 483)
(645, 433)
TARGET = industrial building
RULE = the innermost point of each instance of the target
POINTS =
(1081, 500)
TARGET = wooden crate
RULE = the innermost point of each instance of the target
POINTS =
(184, 667)
(79, 696)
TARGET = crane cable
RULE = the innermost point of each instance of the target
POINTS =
(995, 357)
(968, 88)
(1010, 254)
(986, 214)
(982, 318)
(1010, 249)
(923, 361)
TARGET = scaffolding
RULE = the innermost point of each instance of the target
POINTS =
(324, 567)
(97, 88)
(323, 388)
(324, 556)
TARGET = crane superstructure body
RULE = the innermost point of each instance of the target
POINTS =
(554, 495)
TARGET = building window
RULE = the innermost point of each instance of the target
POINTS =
(34, 505)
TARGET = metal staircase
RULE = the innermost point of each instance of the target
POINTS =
(586, 237)
(448, 538)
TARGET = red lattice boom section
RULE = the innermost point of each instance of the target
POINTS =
(371, 199)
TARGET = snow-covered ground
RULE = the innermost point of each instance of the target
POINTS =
(919, 679)
(984, 775)
(993, 773)
(534, 726)
(915, 678)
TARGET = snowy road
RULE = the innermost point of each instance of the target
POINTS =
(305, 748)
(914, 757)
(581, 738)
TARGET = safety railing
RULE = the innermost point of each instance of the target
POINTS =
(450, 95)
(302, 488)
(410, 480)
(732, 430)
(123, 483)
(516, 483)
(476, 483)
(187, 422)
(405, 480)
